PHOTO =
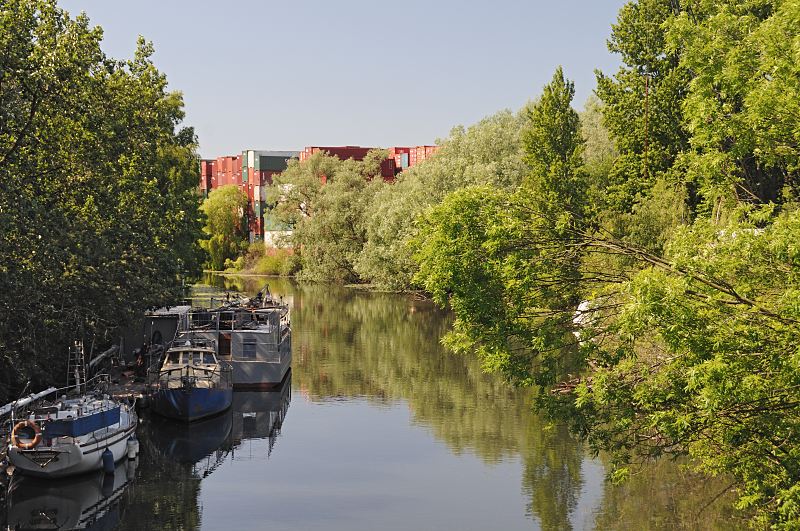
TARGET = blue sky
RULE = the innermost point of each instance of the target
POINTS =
(283, 75)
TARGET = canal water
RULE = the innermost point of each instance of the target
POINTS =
(377, 427)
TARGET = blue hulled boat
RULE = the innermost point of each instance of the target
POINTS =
(191, 383)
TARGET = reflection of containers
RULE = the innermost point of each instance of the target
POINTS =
(74, 503)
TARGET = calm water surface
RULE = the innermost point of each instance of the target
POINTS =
(376, 428)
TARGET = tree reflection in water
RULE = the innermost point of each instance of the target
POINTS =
(384, 348)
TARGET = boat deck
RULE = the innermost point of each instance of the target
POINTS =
(125, 385)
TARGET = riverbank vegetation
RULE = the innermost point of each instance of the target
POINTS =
(98, 204)
(225, 229)
(262, 260)
(637, 265)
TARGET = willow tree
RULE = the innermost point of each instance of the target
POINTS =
(324, 200)
(486, 153)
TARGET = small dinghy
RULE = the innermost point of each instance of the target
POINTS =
(70, 436)
(192, 383)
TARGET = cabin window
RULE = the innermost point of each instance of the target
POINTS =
(174, 357)
(249, 423)
(197, 358)
(208, 358)
(249, 350)
(225, 345)
(226, 321)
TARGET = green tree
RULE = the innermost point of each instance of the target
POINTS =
(684, 342)
(224, 209)
(99, 204)
(324, 200)
(505, 261)
(554, 149)
(294, 192)
(741, 109)
(642, 104)
(488, 152)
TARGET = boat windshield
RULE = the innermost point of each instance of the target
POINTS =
(190, 358)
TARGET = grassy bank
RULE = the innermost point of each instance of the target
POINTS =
(260, 260)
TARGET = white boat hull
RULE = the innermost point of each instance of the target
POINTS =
(69, 459)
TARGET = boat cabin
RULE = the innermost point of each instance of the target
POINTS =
(191, 362)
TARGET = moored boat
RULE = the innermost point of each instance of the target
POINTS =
(70, 436)
(254, 335)
(191, 383)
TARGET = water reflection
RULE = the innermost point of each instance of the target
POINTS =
(92, 501)
(204, 442)
(366, 364)
(177, 458)
(384, 348)
(260, 415)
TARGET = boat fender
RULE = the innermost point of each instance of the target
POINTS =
(130, 470)
(132, 448)
(107, 490)
(108, 461)
(37, 437)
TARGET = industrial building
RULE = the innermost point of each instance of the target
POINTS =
(252, 172)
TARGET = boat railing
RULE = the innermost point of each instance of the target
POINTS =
(237, 318)
(29, 403)
(189, 375)
(183, 340)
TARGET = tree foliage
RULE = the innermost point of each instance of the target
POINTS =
(487, 153)
(324, 200)
(504, 260)
(224, 209)
(98, 207)
(663, 321)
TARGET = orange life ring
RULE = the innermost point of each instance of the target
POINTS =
(37, 438)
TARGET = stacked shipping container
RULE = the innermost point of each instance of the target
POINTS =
(400, 158)
(250, 171)
(253, 170)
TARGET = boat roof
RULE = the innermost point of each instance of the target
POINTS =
(169, 311)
